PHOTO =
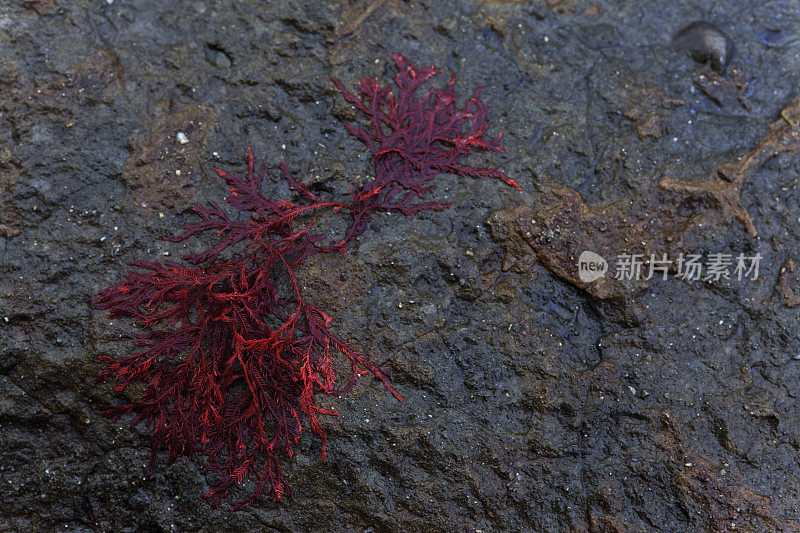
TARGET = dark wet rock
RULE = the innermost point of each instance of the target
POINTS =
(646, 107)
(789, 284)
(649, 224)
(708, 490)
(563, 226)
(778, 36)
(530, 405)
(704, 43)
(41, 6)
(727, 91)
(7, 231)
(218, 57)
(725, 188)
(162, 170)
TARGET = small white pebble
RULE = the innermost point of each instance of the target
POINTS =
(182, 138)
(178, 172)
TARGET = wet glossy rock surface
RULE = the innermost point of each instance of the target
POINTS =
(705, 43)
(532, 404)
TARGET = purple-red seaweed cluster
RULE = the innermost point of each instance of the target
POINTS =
(233, 353)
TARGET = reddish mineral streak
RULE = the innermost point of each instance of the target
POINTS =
(233, 352)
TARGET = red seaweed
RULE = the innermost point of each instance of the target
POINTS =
(413, 140)
(233, 352)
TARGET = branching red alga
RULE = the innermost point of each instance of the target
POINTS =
(412, 140)
(233, 352)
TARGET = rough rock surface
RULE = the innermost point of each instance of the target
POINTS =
(532, 403)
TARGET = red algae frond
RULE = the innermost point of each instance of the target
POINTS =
(233, 352)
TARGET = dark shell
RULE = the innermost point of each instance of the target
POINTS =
(704, 43)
